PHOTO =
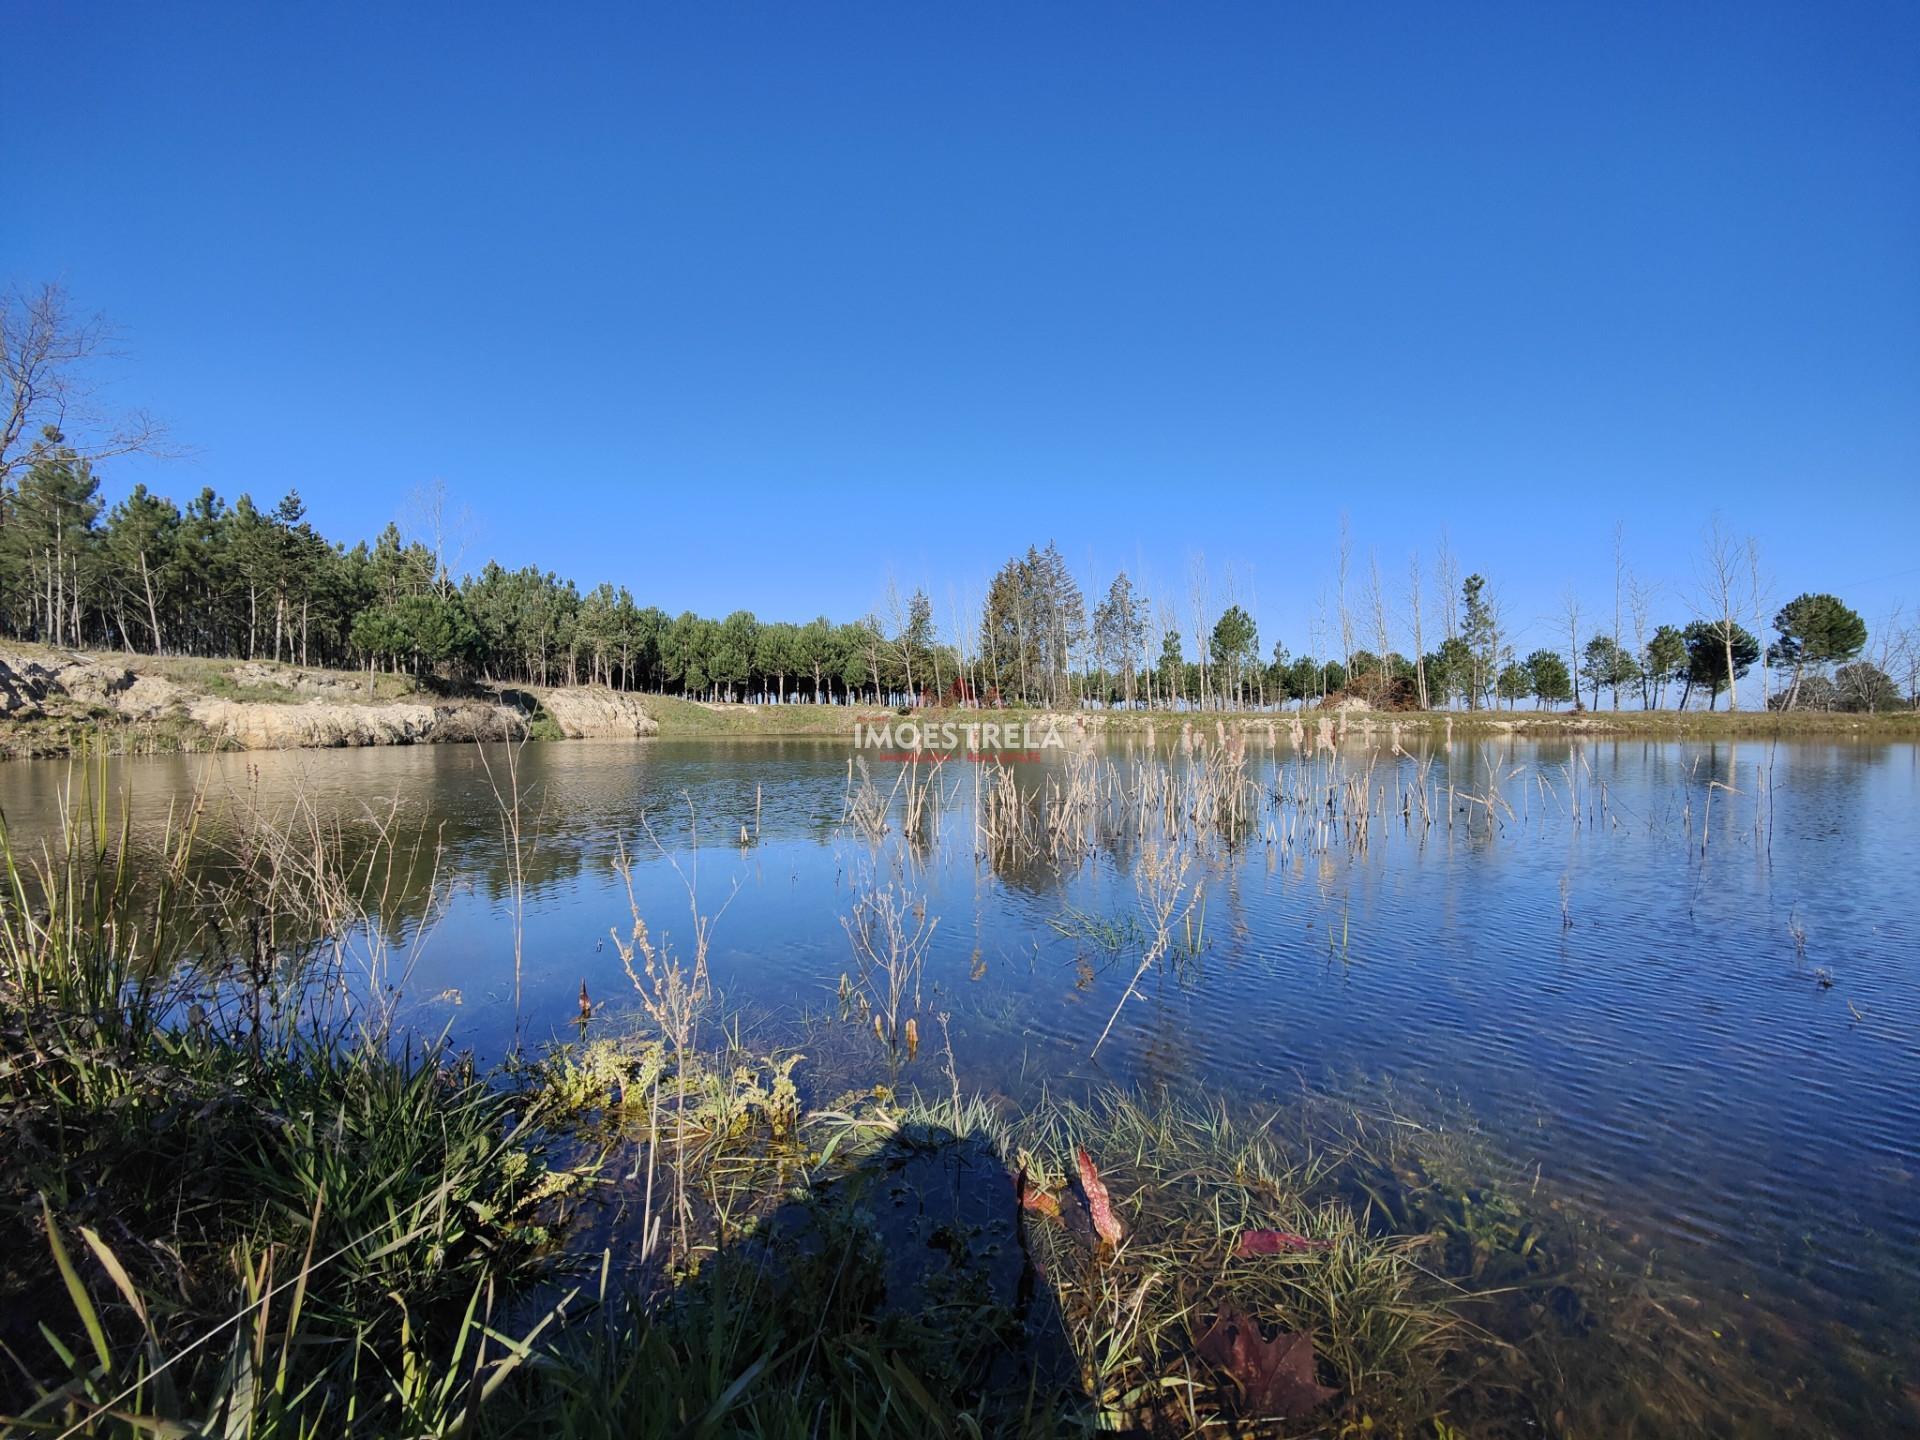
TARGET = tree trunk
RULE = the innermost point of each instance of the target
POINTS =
(153, 613)
(1733, 689)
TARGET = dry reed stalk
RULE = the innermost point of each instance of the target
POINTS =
(1160, 881)
(309, 912)
(512, 844)
(890, 931)
(673, 992)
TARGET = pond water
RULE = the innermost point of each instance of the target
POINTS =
(1675, 981)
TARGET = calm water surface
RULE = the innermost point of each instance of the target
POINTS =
(1623, 974)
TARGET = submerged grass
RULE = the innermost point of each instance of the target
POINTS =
(1188, 1182)
(1109, 933)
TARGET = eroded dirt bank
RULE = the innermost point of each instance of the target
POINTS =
(52, 699)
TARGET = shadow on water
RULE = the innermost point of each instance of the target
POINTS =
(895, 1296)
(927, 1229)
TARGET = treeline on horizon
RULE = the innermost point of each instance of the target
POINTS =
(242, 582)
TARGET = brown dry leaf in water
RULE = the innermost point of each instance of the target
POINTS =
(1276, 1242)
(1275, 1377)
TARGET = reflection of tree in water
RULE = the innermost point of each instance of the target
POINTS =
(1025, 872)
(393, 871)
(548, 865)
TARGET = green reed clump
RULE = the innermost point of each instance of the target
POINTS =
(253, 1227)
(81, 933)
(1112, 933)
(332, 1207)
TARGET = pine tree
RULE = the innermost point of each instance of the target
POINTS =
(1480, 634)
(49, 539)
(143, 558)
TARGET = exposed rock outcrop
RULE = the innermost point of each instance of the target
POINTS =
(74, 689)
(29, 682)
(595, 711)
(24, 683)
(148, 697)
(318, 683)
(321, 725)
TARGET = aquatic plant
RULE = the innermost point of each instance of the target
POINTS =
(1187, 1183)
(1160, 880)
(1112, 933)
(864, 809)
(890, 931)
(674, 992)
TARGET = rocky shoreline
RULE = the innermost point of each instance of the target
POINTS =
(51, 699)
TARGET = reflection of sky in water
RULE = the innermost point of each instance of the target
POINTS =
(1667, 1057)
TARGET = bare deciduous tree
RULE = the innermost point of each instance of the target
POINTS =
(1718, 598)
(1759, 588)
(897, 626)
(1346, 616)
(1570, 607)
(1419, 639)
(1382, 626)
(446, 532)
(1904, 664)
(1197, 600)
(49, 380)
(1640, 607)
(1619, 588)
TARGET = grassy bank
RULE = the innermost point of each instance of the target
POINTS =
(1657, 724)
(686, 719)
(695, 719)
(269, 682)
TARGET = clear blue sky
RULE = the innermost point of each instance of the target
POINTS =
(747, 304)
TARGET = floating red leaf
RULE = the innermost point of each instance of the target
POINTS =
(1275, 1377)
(1276, 1242)
(1098, 1205)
